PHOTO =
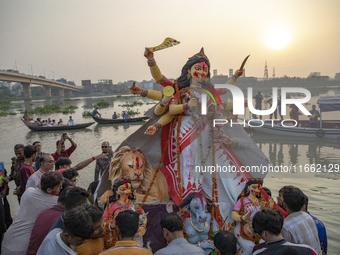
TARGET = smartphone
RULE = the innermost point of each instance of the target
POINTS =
(110, 148)
(64, 134)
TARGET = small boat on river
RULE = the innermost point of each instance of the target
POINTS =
(329, 129)
(34, 127)
(116, 121)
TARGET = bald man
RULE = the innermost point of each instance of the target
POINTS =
(103, 163)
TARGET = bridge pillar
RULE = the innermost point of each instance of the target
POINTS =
(27, 90)
(48, 91)
(61, 93)
(48, 101)
(28, 104)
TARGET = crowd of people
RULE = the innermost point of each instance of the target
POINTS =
(58, 217)
(47, 123)
(96, 113)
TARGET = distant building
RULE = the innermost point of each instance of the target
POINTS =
(318, 76)
(62, 80)
(86, 84)
(314, 74)
(105, 82)
(231, 72)
(337, 77)
(147, 84)
(219, 79)
(104, 86)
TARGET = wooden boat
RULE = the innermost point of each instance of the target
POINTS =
(329, 129)
(116, 121)
(56, 128)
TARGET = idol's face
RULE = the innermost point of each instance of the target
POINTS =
(199, 71)
(133, 168)
(124, 190)
(255, 189)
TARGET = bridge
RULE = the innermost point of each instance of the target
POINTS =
(28, 80)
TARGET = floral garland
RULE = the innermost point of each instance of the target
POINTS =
(179, 121)
(110, 236)
(179, 177)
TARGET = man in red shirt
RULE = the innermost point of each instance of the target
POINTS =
(61, 152)
(26, 169)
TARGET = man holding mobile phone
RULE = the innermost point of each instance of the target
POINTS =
(61, 152)
(103, 163)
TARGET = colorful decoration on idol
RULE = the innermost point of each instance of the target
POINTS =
(167, 43)
(179, 119)
(122, 199)
(250, 201)
(131, 163)
(198, 222)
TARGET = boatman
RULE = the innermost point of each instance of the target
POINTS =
(70, 122)
(125, 115)
(258, 103)
(95, 112)
(114, 116)
(313, 119)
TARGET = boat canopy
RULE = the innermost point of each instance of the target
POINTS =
(329, 104)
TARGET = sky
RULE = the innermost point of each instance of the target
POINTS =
(105, 39)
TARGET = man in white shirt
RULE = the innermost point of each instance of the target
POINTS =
(33, 202)
(298, 227)
(70, 122)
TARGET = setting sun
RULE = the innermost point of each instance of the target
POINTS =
(278, 37)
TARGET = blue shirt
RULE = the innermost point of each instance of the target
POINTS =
(125, 116)
(53, 244)
(2, 174)
(313, 119)
(321, 233)
(258, 99)
(59, 223)
(94, 112)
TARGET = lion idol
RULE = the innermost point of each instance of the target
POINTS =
(131, 163)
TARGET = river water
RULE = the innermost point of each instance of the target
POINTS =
(322, 188)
